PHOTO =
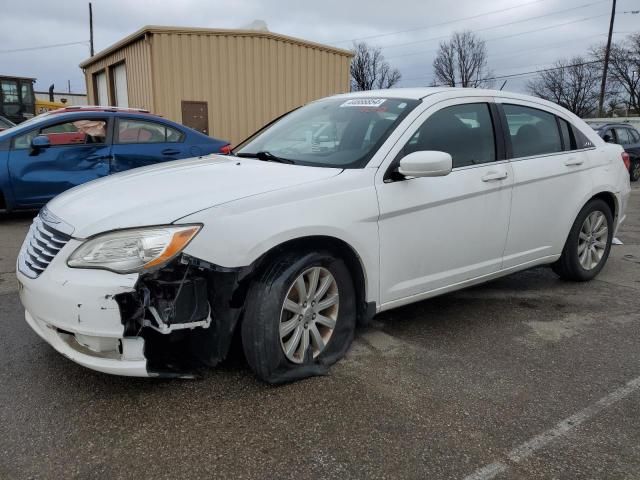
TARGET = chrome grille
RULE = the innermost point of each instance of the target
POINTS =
(40, 247)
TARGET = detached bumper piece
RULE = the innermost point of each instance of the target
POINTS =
(124, 357)
(186, 314)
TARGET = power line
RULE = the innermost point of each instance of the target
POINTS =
(502, 25)
(43, 47)
(532, 72)
(511, 35)
(543, 70)
(549, 46)
(448, 22)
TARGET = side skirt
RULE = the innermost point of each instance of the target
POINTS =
(467, 283)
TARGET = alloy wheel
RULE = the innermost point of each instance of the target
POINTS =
(309, 314)
(592, 241)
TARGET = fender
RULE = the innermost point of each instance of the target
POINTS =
(609, 190)
(6, 192)
(239, 233)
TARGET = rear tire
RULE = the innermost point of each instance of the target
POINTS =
(588, 244)
(634, 171)
(284, 336)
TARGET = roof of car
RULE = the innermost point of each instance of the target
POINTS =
(97, 108)
(454, 92)
(600, 125)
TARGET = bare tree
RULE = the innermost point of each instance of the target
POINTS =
(462, 61)
(369, 69)
(573, 84)
(624, 70)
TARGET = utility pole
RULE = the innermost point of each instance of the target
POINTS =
(91, 28)
(605, 67)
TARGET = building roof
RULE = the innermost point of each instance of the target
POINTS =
(151, 29)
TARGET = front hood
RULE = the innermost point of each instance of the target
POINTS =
(163, 193)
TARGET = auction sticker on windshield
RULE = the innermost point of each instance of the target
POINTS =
(364, 102)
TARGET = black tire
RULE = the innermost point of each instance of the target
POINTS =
(568, 265)
(634, 170)
(260, 326)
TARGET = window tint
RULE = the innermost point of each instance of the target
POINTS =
(581, 139)
(173, 135)
(24, 141)
(634, 135)
(9, 90)
(532, 131)
(26, 91)
(623, 136)
(463, 131)
(77, 132)
(608, 136)
(567, 139)
(140, 131)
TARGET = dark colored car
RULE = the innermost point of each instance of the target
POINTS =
(6, 123)
(627, 136)
(58, 150)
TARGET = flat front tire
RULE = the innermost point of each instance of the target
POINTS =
(300, 317)
(589, 243)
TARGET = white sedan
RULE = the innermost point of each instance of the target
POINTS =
(419, 192)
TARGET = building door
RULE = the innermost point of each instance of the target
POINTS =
(196, 115)
(120, 94)
(100, 84)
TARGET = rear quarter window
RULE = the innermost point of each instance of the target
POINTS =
(581, 139)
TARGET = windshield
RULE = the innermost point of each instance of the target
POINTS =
(4, 123)
(24, 125)
(343, 133)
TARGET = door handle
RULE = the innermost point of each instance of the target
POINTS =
(170, 151)
(573, 161)
(494, 176)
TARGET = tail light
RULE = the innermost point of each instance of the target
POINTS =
(626, 160)
(226, 150)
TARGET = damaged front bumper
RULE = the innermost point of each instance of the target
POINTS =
(165, 323)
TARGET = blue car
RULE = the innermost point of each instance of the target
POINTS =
(58, 150)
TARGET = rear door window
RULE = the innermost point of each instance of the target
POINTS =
(634, 135)
(568, 141)
(142, 131)
(532, 131)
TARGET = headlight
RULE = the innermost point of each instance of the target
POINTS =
(127, 251)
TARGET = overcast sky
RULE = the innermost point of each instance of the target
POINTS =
(564, 28)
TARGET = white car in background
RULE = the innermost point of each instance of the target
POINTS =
(414, 193)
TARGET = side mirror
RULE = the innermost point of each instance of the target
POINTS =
(41, 141)
(430, 163)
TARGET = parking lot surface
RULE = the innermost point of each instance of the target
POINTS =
(524, 377)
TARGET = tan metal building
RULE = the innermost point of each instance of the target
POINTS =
(226, 83)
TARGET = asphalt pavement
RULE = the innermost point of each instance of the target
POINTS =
(527, 376)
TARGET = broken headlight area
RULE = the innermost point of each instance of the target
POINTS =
(186, 314)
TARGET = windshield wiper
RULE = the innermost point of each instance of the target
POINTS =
(266, 156)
